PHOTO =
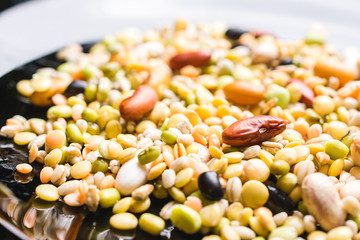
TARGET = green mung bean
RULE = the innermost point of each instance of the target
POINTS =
(148, 155)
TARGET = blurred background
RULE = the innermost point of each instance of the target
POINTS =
(37, 27)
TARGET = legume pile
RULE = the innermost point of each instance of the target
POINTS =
(252, 137)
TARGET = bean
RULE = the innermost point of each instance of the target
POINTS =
(89, 115)
(228, 233)
(80, 169)
(100, 165)
(45, 174)
(286, 154)
(211, 215)
(317, 235)
(323, 104)
(130, 176)
(124, 221)
(235, 33)
(254, 194)
(24, 88)
(287, 182)
(336, 149)
(148, 155)
(122, 205)
(211, 237)
(168, 137)
(61, 111)
(156, 171)
(255, 169)
(279, 167)
(138, 206)
(336, 167)
(24, 138)
(151, 223)
(47, 192)
(55, 139)
(339, 233)
(183, 177)
(284, 232)
(257, 226)
(74, 133)
(108, 197)
(295, 222)
(53, 158)
(186, 219)
(90, 92)
(281, 94)
(24, 168)
(177, 194)
(209, 186)
(112, 129)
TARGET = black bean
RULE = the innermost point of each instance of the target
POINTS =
(286, 61)
(272, 178)
(75, 87)
(278, 201)
(209, 186)
(234, 33)
(239, 45)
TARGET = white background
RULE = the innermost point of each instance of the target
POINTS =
(38, 27)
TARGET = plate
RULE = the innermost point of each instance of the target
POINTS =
(18, 205)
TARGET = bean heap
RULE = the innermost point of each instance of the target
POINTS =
(249, 136)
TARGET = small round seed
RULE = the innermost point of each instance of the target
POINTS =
(47, 192)
(186, 219)
(80, 169)
(183, 177)
(108, 197)
(148, 155)
(122, 205)
(24, 168)
(45, 174)
(55, 139)
(139, 206)
(209, 186)
(254, 194)
(53, 158)
(124, 221)
(151, 223)
(24, 138)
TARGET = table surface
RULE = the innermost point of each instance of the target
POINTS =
(34, 28)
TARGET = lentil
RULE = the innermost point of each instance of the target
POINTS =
(254, 194)
(151, 223)
(24, 168)
(186, 219)
(47, 192)
(123, 221)
(108, 197)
